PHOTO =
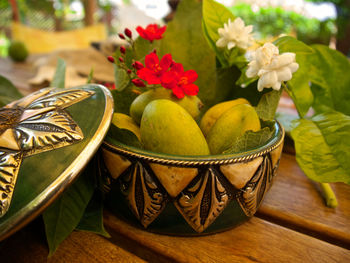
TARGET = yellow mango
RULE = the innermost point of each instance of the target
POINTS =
(214, 113)
(230, 126)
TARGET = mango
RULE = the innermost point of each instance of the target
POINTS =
(123, 121)
(214, 113)
(230, 126)
(166, 127)
(190, 103)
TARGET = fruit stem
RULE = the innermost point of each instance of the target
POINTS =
(331, 199)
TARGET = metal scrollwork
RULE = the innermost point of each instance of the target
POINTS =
(31, 125)
(145, 198)
(252, 194)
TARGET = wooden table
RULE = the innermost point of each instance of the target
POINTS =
(292, 225)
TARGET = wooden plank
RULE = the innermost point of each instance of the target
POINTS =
(29, 245)
(254, 241)
(18, 73)
(296, 202)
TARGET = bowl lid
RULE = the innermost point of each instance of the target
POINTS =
(46, 139)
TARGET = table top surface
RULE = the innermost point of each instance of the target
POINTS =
(292, 225)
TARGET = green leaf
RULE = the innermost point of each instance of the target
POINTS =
(184, 40)
(62, 217)
(267, 105)
(92, 219)
(122, 79)
(243, 80)
(299, 85)
(322, 147)
(215, 15)
(249, 92)
(291, 44)
(90, 76)
(123, 135)
(332, 79)
(143, 47)
(60, 74)
(222, 63)
(123, 99)
(251, 140)
(225, 82)
(8, 92)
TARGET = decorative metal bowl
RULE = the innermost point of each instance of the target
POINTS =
(184, 195)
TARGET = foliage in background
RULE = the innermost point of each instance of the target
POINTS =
(273, 21)
(342, 22)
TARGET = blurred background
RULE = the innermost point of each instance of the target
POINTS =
(84, 32)
(312, 21)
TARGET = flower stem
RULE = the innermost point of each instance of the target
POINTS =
(331, 200)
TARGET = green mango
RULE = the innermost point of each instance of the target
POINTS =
(190, 103)
(168, 128)
(214, 113)
(230, 126)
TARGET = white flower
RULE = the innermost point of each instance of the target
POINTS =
(235, 34)
(270, 67)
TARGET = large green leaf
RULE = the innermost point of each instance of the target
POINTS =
(184, 40)
(142, 47)
(215, 15)
(291, 44)
(8, 92)
(333, 79)
(62, 217)
(225, 82)
(299, 87)
(249, 92)
(92, 219)
(58, 80)
(322, 147)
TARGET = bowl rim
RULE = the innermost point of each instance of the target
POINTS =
(183, 160)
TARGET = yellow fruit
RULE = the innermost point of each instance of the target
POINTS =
(191, 103)
(166, 127)
(123, 121)
(230, 126)
(214, 113)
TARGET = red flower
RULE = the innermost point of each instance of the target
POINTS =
(151, 32)
(180, 81)
(154, 70)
